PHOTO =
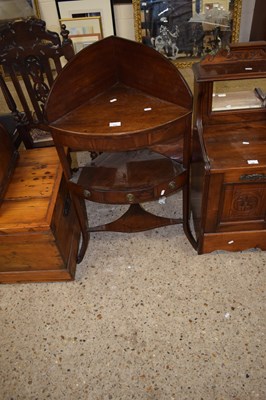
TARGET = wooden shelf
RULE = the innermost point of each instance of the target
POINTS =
(123, 114)
(129, 177)
(122, 104)
(240, 144)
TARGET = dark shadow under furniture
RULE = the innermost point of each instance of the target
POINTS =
(125, 100)
(31, 57)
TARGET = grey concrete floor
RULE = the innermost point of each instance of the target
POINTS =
(146, 318)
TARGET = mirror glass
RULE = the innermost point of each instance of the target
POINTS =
(11, 9)
(239, 94)
(183, 30)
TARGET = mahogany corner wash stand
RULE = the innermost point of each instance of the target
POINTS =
(126, 101)
(228, 164)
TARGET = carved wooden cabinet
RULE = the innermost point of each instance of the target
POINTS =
(228, 164)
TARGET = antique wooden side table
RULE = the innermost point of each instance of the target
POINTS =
(126, 101)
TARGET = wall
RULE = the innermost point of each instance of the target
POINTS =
(246, 19)
(258, 27)
(49, 14)
(124, 20)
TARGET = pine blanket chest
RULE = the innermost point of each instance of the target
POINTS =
(39, 233)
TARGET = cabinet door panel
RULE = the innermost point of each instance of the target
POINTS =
(244, 206)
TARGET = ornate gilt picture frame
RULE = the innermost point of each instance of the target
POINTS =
(186, 30)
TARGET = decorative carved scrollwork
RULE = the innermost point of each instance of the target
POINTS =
(236, 53)
(64, 33)
(33, 66)
(34, 69)
(245, 202)
(26, 49)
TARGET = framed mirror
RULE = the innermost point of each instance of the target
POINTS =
(186, 30)
(12, 9)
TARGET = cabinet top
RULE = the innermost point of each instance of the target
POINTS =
(241, 61)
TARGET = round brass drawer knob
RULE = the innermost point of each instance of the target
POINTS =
(86, 193)
(130, 197)
(172, 185)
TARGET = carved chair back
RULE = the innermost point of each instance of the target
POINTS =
(10, 119)
(31, 57)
